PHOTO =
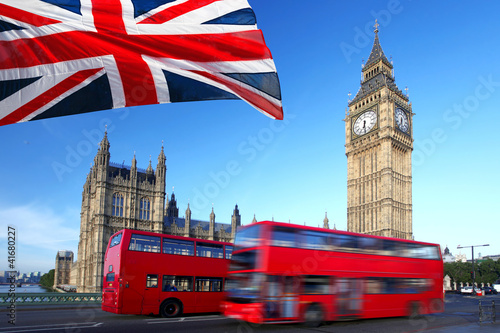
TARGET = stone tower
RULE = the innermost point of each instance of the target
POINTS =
(379, 144)
(235, 221)
(115, 197)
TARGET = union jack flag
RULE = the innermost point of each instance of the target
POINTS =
(64, 57)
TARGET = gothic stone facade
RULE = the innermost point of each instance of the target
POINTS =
(379, 144)
(116, 197)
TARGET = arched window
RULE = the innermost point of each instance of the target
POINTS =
(117, 205)
(144, 209)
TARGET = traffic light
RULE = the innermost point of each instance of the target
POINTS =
(472, 275)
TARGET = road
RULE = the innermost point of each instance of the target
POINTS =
(461, 315)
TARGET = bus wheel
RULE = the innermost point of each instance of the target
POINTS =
(313, 316)
(170, 308)
(414, 310)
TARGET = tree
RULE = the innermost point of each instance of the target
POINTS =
(487, 271)
(47, 280)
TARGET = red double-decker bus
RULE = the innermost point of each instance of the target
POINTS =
(151, 273)
(281, 272)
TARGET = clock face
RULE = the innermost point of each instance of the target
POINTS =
(402, 120)
(365, 122)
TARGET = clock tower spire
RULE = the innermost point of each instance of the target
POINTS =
(379, 144)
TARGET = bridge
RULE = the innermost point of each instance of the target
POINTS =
(50, 298)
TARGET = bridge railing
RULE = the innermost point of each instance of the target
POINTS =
(51, 298)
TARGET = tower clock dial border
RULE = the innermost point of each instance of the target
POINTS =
(365, 122)
(402, 120)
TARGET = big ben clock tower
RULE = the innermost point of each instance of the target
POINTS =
(379, 144)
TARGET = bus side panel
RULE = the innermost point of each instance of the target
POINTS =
(132, 287)
(209, 301)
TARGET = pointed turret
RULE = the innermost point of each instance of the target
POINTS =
(235, 221)
(172, 210)
(101, 160)
(376, 73)
(161, 171)
(325, 222)
(211, 229)
(254, 219)
(212, 216)
(134, 162)
(377, 53)
(188, 213)
(149, 170)
(104, 145)
(133, 171)
(187, 224)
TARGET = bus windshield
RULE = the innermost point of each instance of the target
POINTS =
(244, 288)
(242, 261)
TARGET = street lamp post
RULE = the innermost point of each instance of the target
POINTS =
(473, 270)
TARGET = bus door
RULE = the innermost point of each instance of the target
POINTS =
(349, 296)
(151, 298)
(281, 297)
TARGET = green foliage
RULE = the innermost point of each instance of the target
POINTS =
(47, 280)
(487, 271)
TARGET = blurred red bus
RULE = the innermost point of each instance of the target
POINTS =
(289, 273)
(151, 273)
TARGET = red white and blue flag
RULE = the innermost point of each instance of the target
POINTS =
(64, 57)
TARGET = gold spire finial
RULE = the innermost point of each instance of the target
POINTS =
(376, 26)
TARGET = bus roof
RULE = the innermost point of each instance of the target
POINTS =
(150, 233)
(304, 227)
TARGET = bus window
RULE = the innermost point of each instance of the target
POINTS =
(152, 281)
(144, 243)
(387, 285)
(314, 240)
(208, 284)
(229, 252)
(286, 237)
(334, 241)
(316, 285)
(370, 245)
(244, 260)
(177, 283)
(429, 252)
(389, 247)
(115, 240)
(209, 250)
(348, 243)
(177, 246)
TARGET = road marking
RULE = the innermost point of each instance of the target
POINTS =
(183, 319)
(176, 319)
(52, 327)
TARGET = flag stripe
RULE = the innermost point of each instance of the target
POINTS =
(24, 16)
(246, 45)
(48, 96)
(258, 101)
(244, 16)
(176, 11)
(108, 23)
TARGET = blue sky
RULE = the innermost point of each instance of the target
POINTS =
(226, 152)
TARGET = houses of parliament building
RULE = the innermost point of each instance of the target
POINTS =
(116, 196)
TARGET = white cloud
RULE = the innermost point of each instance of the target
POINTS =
(40, 233)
